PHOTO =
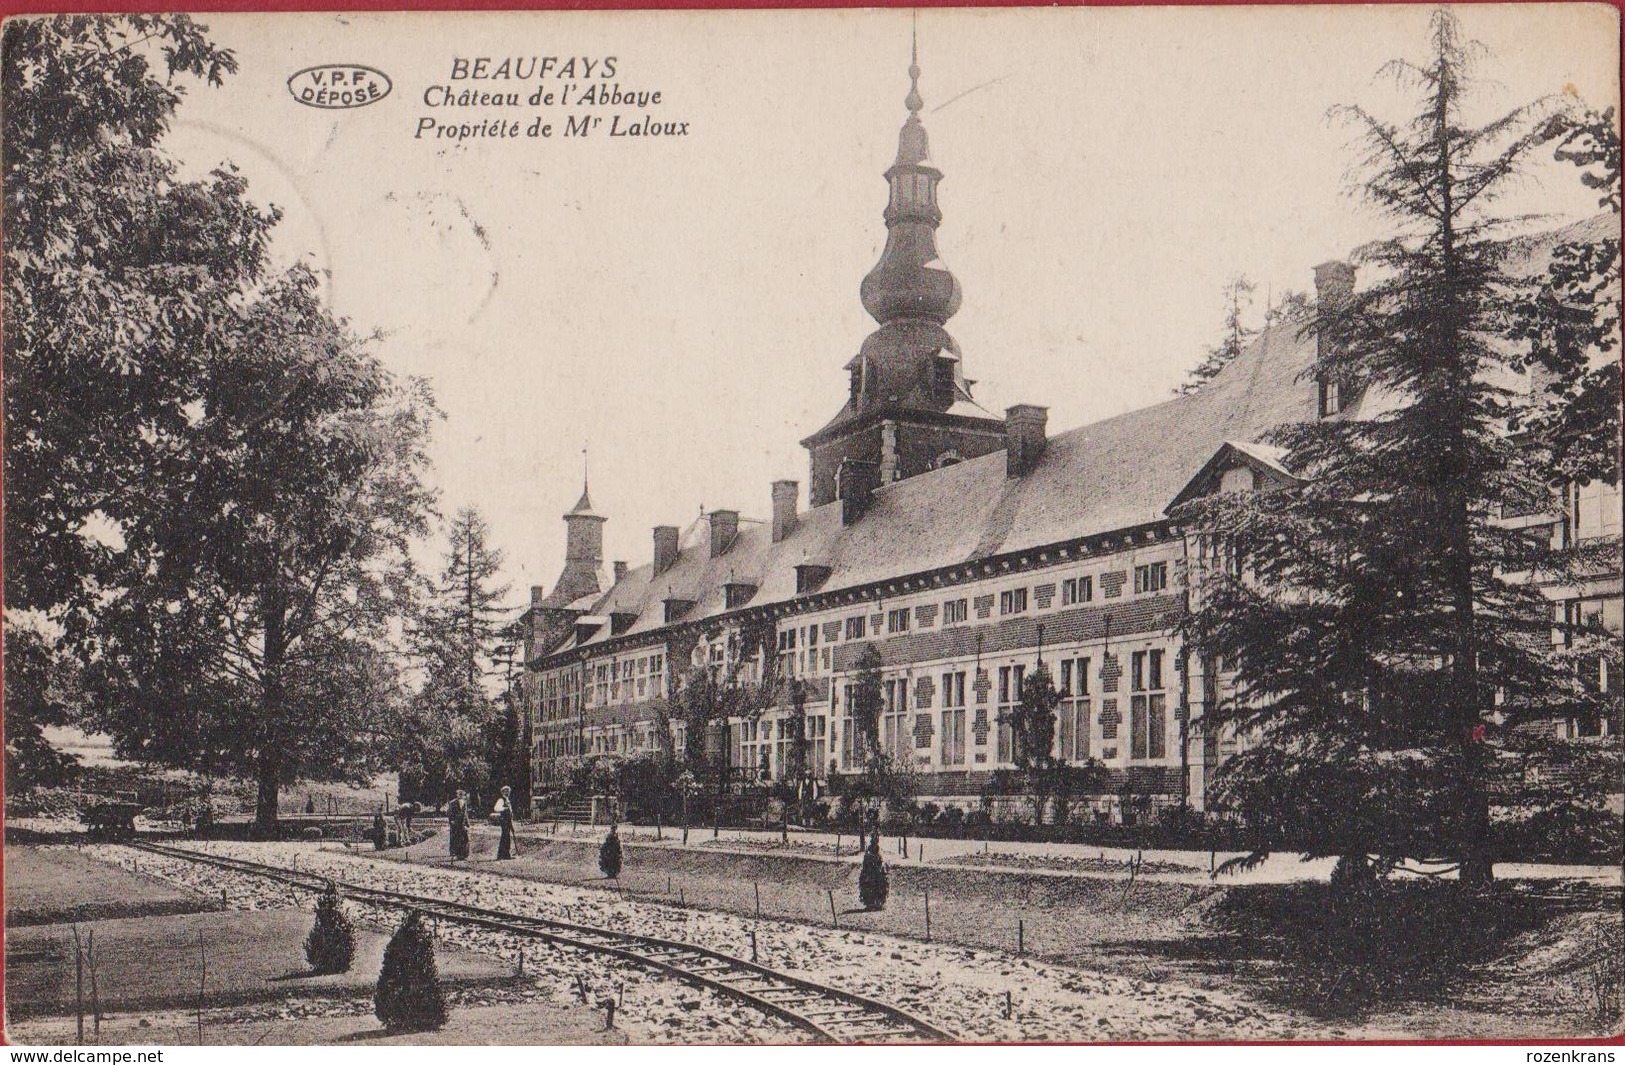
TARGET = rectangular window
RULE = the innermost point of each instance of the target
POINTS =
(1010, 678)
(817, 742)
(1013, 601)
(1596, 511)
(953, 737)
(855, 627)
(894, 734)
(1151, 578)
(812, 635)
(1077, 590)
(1080, 734)
(897, 620)
(954, 612)
(1148, 706)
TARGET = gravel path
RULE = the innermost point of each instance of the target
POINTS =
(961, 990)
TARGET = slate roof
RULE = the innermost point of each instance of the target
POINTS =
(1110, 475)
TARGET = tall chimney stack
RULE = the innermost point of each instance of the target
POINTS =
(724, 527)
(855, 482)
(665, 549)
(1334, 282)
(784, 508)
(620, 571)
(1024, 428)
(1334, 287)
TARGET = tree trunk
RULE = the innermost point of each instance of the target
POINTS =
(271, 711)
(1476, 867)
(265, 802)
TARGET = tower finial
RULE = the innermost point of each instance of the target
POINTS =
(913, 101)
(584, 504)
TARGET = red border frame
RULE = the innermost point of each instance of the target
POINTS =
(9, 8)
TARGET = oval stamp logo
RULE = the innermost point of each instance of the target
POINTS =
(339, 85)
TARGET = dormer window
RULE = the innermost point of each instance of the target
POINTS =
(942, 383)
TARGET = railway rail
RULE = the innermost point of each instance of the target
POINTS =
(828, 1013)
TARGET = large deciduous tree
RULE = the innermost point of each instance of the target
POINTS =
(122, 285)
(255, 625)
(1379, 618)
(1570, 316)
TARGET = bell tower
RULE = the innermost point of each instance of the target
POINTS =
(583, 553)
(909, 407)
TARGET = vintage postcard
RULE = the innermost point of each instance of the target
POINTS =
(1091, 526)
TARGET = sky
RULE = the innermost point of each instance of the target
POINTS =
(680, 308)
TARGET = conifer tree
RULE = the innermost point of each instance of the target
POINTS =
(1238, 293)
(409, 997)
(330, 947)
(1378, 618)
(454, 726)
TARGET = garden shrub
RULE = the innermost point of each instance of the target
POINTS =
(409, 996)
(330, 947)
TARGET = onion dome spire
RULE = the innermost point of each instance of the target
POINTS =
(910, 281)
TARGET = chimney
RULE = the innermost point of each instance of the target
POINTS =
(620, 571)
(538, 592)
(855, 483)
(1334, 286)
(665, 549)
(784, 509)
(724, 527)
(1024, 426)
(1334, 282)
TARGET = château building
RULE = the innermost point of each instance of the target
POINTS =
(965, 547)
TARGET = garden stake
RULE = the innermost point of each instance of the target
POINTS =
(79, 983)
(928, 915)
(202, 982)
(753, 944)
(756, 885)
(1021, 936)
(905, 845)
(1008, 1006)
(95, 994)
(834, 922)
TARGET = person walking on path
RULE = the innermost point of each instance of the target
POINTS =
(503, 813)
(457, 825)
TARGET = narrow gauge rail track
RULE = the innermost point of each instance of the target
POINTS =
(829, 1013)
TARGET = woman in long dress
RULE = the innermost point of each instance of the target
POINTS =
(457, 820)
(503, 812)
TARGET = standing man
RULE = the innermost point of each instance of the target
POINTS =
(503, 812)
(457, 825)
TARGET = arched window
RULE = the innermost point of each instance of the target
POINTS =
(947, 458)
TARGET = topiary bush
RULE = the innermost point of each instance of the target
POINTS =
(872, 885)
(609, 855)
(330, 947)
(409, 996)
